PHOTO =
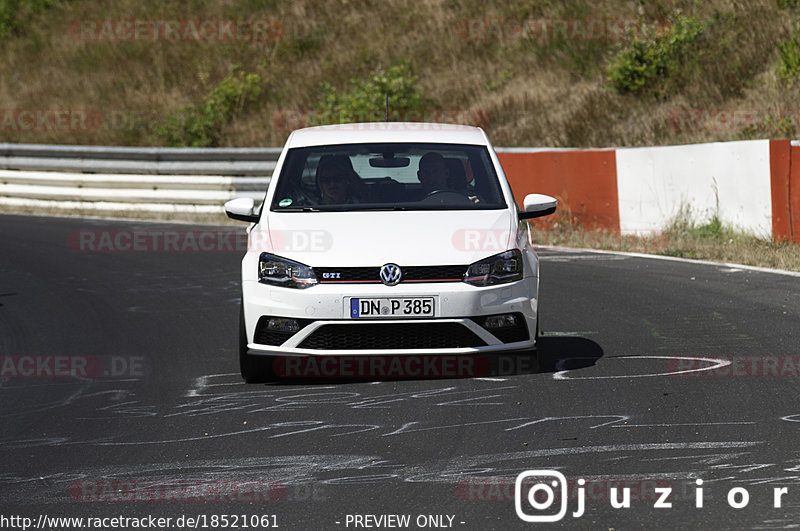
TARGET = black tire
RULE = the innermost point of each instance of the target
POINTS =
(535, 352)
(254, 369)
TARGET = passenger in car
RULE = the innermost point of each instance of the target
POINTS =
(338, 182)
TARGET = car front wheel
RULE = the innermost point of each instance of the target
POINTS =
(254, 369)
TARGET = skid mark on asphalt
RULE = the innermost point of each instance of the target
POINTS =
(303, 427)
(682, 424)
(702, 333)
(74, 391)
(312, 398)
(215, 395)
(728, 462)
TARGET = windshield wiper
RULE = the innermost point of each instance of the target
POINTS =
(381, 209)
(297, 209)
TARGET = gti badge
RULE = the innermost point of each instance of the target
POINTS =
(391, 274)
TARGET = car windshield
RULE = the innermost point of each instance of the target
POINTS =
(388, 176)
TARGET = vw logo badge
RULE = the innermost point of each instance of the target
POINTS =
(391, 274)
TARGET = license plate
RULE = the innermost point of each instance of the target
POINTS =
(392, 307)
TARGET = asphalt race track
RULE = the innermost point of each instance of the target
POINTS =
(652, 374)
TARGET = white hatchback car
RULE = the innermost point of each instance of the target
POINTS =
(387, 239)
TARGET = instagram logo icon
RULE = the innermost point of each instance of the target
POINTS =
(534, 500)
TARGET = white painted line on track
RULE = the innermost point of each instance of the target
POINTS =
(716, 363)
(728, 265)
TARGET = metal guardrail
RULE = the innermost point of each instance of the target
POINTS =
(176, 181)
(138, 160)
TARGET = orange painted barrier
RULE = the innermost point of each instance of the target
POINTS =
(583, 181)
(794, 192)
(780, 179)
(585, 184)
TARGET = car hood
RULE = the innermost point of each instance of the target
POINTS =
(349, 239)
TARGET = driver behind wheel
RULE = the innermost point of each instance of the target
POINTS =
(434, 175)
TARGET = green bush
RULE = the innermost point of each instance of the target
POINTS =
(200, 125)
(789, 60)
(648, 61)
(366, 100)
(13, 12)
(772, 126)
(685, 225)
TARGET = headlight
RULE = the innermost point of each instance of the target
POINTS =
(279, 271)
(497, 269)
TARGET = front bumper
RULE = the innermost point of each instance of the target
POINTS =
(327, 328)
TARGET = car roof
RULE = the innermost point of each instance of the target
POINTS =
(359, 133)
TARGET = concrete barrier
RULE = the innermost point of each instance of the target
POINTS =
(730, 180)
(751, 185)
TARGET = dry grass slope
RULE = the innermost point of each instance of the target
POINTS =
(539, 91)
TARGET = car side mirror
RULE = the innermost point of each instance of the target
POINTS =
(241, 209)
(537, 205)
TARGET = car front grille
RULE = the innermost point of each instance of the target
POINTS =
(376, 336)
(367, 275)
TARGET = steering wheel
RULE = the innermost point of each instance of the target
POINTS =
(446, 197)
